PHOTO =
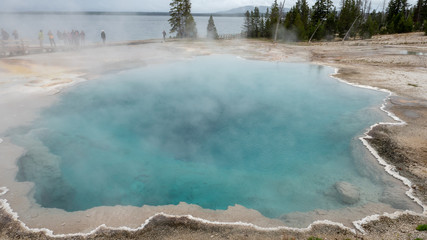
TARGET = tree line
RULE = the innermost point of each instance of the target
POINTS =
(182, 22)
(356, 18)
(324, 21)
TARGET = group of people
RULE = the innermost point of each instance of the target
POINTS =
(6, 41)
(5, 35)
(73, 38)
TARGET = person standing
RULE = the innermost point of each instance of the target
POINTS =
(82, 37)
(103, 36)
(41, 38)
(4, 35)
(4, 38)
(15, 35)
(51, 39)
(164, 36)
(77, 38)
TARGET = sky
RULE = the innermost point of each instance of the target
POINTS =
(198, 6)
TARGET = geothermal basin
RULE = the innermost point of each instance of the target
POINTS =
(278, 140)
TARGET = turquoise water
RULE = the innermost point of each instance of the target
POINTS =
(213, 131)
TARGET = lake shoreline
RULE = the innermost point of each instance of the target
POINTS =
(274, 52)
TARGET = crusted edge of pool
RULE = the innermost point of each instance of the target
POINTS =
(390, 169)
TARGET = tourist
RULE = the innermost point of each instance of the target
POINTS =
(4, 35)
(164, 35)
(41, 38)
(103, 36)
(59, 35)
(15, 35)
(51, 39)
(73, 37)
(77, 38)
(82, 37)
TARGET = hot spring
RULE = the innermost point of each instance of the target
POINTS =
(213, 131)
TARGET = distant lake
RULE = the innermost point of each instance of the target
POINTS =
(117, 27)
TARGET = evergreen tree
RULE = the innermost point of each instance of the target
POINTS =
(377, 18)
(247, 24)
(368, 28)
(321, 9)
(177, 18)
(181, 21)
(331, 25)
(420, 13)
(397, 18)
(274, 18)
(394, 8)
(267, 26)
(262, 27)
(212, 32)
(320, 13)
(350, 10)
(256, 19)
(297, 19)
(299, 27)
(190, 27)
(252, 28)
(305, 13)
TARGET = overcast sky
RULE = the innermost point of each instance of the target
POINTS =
(198, 6)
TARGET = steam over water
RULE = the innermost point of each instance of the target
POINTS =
(214, 131)
(117, 27)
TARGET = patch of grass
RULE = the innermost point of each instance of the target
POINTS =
(422, 227)
(314, 238)
(412, 85)
(418, 239)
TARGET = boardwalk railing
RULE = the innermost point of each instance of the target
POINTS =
(231, 36)
(13, 47)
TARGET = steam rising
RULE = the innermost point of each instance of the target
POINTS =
(257, 134)
(117, 27)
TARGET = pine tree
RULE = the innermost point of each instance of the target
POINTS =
(331, 25)
(320, 13)
(350, 10)
(256, 22)
(274, 17)
(394, 8)
(247, 24)
(420, 13)
(297, 19)
(299, 26)
(252, 25)
(262, 27)
(320, 10)
(212, 32)
(268, 25)
(190, 27)
(368, 28)
(305, 13)
(397, 16)
(181, 21)
(177, 18)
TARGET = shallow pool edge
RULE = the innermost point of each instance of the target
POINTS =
(390, 169)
